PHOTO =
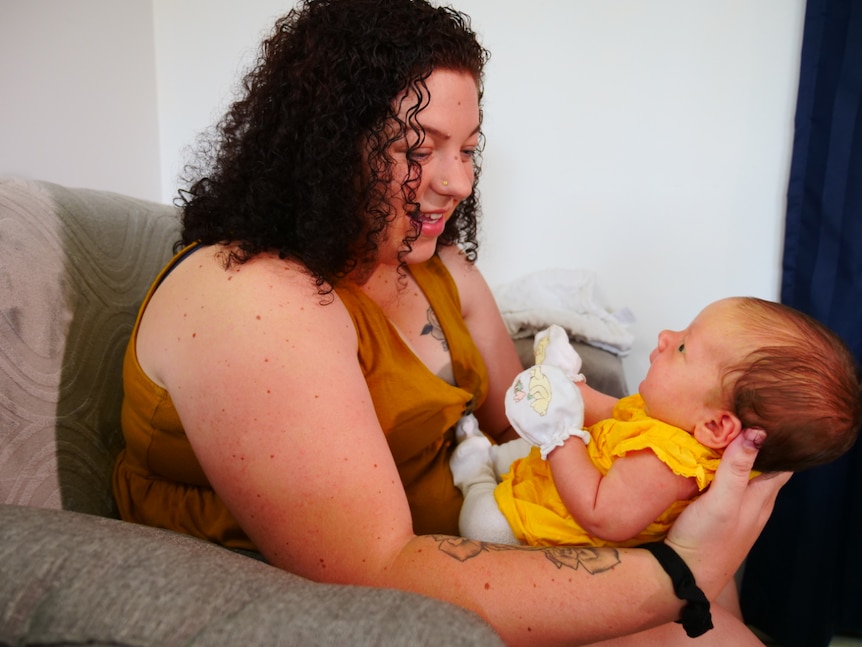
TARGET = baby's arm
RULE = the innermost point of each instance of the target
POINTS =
(616, 507)
(550, 403)
(597, 405)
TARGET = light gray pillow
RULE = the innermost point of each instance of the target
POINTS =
(70, 578)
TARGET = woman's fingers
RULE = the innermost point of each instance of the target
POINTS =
(715, 533)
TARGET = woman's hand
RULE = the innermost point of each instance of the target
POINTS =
(714, 534)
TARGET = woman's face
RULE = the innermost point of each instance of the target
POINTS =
(451, 125)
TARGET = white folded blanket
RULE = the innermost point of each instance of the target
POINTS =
(566, 298)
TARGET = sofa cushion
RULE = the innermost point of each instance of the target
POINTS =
(70, 578)
(75, 265)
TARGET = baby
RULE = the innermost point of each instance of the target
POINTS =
(743, 362)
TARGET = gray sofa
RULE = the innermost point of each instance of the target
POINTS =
(75, 264)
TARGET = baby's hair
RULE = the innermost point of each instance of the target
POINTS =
(801, 385)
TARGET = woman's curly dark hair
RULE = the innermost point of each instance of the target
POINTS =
(301, 159)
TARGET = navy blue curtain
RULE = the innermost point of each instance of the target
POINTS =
(803, 579)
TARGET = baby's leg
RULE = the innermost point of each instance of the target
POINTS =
(473, 473)
(502, 456)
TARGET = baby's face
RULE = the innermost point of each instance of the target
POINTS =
(682, 385)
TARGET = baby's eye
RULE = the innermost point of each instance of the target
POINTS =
(681, 348)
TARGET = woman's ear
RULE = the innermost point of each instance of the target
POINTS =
(718, 430)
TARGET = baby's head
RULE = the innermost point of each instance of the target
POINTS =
(746, 362)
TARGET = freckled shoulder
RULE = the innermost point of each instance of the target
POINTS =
(225, 310)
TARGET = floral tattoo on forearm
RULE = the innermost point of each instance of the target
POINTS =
(592, 560)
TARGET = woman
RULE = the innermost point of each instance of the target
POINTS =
(295, 375)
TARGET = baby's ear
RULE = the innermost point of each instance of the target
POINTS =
(718, 430)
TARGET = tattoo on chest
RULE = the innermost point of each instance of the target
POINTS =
(588, 558)
(434, 329)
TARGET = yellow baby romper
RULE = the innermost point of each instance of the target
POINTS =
(530, 502)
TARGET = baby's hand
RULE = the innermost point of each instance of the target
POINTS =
(551, 347)
(546, 408)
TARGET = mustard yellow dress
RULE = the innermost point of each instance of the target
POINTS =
(530, 502)
(158, 481)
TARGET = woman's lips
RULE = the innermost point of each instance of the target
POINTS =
(430, 223)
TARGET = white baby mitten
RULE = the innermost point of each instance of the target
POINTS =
(551, 347)
(546, 408)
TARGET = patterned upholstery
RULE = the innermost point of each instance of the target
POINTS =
(75, 264)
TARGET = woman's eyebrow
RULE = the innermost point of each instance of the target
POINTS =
(439, 134)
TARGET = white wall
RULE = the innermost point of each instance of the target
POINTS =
(648, 141)
(78, 98)
(202, 50)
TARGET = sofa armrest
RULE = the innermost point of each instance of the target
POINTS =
(72, 578)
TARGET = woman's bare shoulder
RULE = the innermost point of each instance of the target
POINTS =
(456, 260)
(204, 305)
(469, 280)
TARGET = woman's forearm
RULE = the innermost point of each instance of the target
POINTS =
(547, 596)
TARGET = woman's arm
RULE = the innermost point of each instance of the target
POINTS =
(617, 506)
(490, 335)
(266, 380)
